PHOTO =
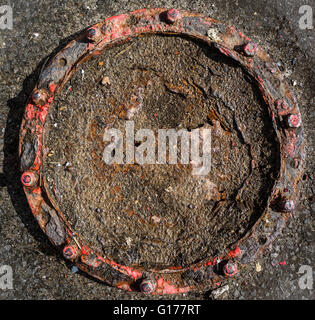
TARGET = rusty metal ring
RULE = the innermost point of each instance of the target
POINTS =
(282, 107)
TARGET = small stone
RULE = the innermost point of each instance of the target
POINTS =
(169, 189)
(156, 219)
(258, 267)
(128, 241)
(215, 294)
(75, 269)
(105, 81)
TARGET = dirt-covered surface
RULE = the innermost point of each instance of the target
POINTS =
(160, 214)
(39, 27)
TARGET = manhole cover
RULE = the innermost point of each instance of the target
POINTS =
(158, 227)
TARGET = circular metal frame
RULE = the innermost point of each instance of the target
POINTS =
(283, 110)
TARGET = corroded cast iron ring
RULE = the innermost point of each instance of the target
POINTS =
(282, 107)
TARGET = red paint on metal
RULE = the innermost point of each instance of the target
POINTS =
(135, 274)
(29, 179)
(164, 287)
(70, 252)
(173, 15)
(294, 120)
(225, 51)
(30, 111)
(282, 107)
(230, 269)
(235, 253)
(52, 87)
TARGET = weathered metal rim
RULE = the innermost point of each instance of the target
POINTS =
(283, 110)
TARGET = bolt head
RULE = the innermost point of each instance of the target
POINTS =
(250, 49)
(230, 269)
(288, 205)
(29, 179)
(39, 97)
(70, 252)
(147, 286)
(93, 34)
(294, 120)
(173, 15)
(281, 105)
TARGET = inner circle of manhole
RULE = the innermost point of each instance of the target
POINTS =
(163, 225)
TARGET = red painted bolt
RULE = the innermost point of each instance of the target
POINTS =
(29, 179)
(250, 49)
(39, 97)
(93, 34)
(294, 120)
(70, 252)
(230, 269)
(148, 286)
(173, 15)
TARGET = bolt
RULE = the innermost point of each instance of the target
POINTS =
(29, 179)
(294, 120)
(147, 286)
(230, 269)
(70, 252)
(173, 15)
(39, 97)
(281, 105)
(93, 34)
(288, 205)
(250, 49)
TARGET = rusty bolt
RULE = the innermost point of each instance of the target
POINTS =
(281, 105)
(250, 49)
(173, 15)
(93, 34)
(294, 120)
(147, 286)
(70, 252)
(39, 97)
(230, 269)
(29, 179)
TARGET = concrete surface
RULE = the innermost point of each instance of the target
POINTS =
(40, 27)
